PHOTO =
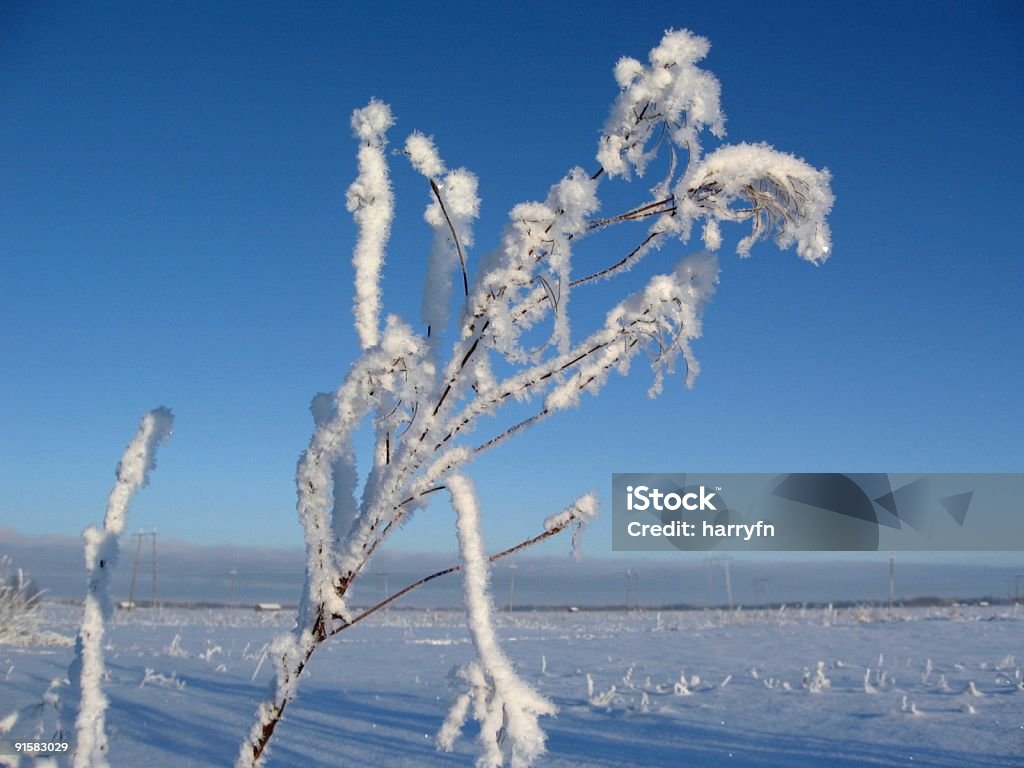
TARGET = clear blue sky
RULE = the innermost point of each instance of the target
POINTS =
(172, 231)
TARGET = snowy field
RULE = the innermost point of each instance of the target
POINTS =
(935, 687)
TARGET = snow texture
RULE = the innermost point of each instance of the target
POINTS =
(373, 699)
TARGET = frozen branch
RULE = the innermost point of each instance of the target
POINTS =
(782, 194)
(577, 515)
(506, 706)
(101, 553)
(670, 97)
(371, 203)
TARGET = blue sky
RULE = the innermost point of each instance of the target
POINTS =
(173, 232)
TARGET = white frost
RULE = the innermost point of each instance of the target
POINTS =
(506, 707)
(423, 155)
(371, 203)
(101, 552)
(780, 192)
(672, 92)
(578, 514)
(420, 405)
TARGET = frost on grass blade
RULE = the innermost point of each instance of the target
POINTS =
(20, 596)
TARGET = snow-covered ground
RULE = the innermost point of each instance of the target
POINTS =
(935, 687)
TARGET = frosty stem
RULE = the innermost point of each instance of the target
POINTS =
(525, 544)
(101, 552)
(275, 710)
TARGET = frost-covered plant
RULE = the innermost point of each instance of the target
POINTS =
(603, 699)
(422, 394)
(506, 707)
(41, 721)
(101, 553)
(684, 686)
(816, 682)
(19, 600)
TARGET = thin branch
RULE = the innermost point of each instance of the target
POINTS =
(638, 213)
(452, 569)
(539, 295)
(514, 429)
(277, 712)
(346, 581)
(617, 265)
(455, 237)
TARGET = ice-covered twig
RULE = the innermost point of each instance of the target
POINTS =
(781, 193)
(101, 552)
(381, 372)
(291, 655)
(578, 514)
(671, 97)
(506, 706)
(451, 214)
(371, 203)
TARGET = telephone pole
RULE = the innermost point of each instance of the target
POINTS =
(892, 579)
(135, 565)
(511, 584)
(382, 581)
(632, 589)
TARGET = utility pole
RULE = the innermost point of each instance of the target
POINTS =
(724, 560)
(135, 565)
(632, 589)
(233, 573)
(892, 579)
(511, 584)
(153, 603)
(728, 581)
